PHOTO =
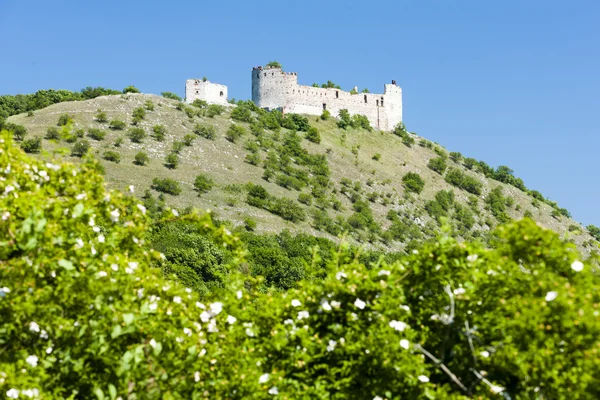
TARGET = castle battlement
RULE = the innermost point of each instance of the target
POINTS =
(273, 88)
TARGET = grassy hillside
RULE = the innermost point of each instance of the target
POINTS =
(363, 193)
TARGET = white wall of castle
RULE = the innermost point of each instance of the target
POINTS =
(272, 88)
(212, 93)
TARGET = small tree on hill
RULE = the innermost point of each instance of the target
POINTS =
(131, 89)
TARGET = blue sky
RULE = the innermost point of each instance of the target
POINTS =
(512, 83)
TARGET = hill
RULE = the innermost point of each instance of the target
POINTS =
(354, 180)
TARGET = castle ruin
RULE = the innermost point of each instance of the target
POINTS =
(202, 89)
(273, 88)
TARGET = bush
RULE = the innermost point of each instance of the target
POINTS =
(172, 160)
(116, 125)
(149, 105)
(305, 198)
(206, 131)
(200, 103)
(177, 147)
(456, 156)
(438, 165)
(52, 134)
(250, 224)
(168, 186)
(159, 132)
(594, 231)
(101, 116)
(461, 180)
(188, 139)
(18, 131)
(325, 115)
(64, 120)
(253, 159)
(112, 156)
(96, 134)
(313, 135)
(413, 182)
(169, 95)
(131, 89)
(203, 184)
(32, 145)
(214, 109)
(139, 114)
(137, 135)
(242, 114)
(141, 158)
(80, 148)
(235, 132)
(376, 156)
(118, 142)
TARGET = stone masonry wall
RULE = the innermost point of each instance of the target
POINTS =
(272, 88)
(204, 90)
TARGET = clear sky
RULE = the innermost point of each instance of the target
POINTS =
(508, 82)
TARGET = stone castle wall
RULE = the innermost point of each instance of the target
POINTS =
(204, 90)
(272, 88)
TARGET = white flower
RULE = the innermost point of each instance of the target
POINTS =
(177, 299)
(216, 308)
(459, 291)
(274, 390)
(472, 257)
(249, 332)
(187, 331)
(114, 215)
(153, 306)
(197, 376)
(484, 354)
(404, 344)
(152, 343)
(31, 392)
(101, 238)
(303, 315)
(102, 274)
(175, 213)
(377, 398)
(231, 319)
(78, 243)
(331, 345)
(5, 290)
(239, 294)
(32, 360)
(577, 266)
(263, 378)
(423, 378)
(551, 296)
(326, 306)
(212, 326)
(288, 322)
(335, 304)
(12, 393)
(34, 327)
(296, 303)
(141, 208)
(132, 264)
(398, 325)
(405, 308)
(340, 275)
(200, 305)
(204, 317)
(359, 303)
(383, 272)
(49, 350)
(114, 267)
(5, 215)
(131, 188)
(8, 189)
(496, 389)
(44, 334)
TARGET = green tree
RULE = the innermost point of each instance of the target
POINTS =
(170, 95)
(137, 135)
(33, 145)
(206, 131)
(235, 132)
(131, 89)
(313, 135)
(203, 184)
(413, 182)
(101, 116)
(166, 185)
(80, 148)
(141, 158)
(172, 160)
(116, 125)
(274, 64)
(159, 132)
(112, 156)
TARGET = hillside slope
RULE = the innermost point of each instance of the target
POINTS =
(363, 192)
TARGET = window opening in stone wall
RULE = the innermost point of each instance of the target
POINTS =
(197, 92)
(377, 103)
(365, 98)
(265, 74)
(258, 75)
(221, 94)
(337, 94)
(382, 102)
(324, 106)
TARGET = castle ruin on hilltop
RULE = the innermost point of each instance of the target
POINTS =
(272, 88)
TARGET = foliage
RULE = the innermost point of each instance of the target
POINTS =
(282, 206)
(203, 184)
(64, 119)
(166, 185)
(18, 131)
(137, 135)
(234, 132)
(200, 103)
(141, 158)
(188, 139)
(206, 131)
(274, 64)
(330, 85)
(52, 133)
(413, 182)
(438, 164)
(159, 132)
(101, 116)
(242, 114)
(214, 109)
(131, 89)
(116, 125)
(112, 156)
(170, 95)
(33, 145)
(149, 105)
(325, 115)
(313, 135)
(172, 160)
(96, 134)
(594, 231)
(463, 181)
(376, 156)
(177, 147)
(496, 203)
(80, 148)
(138, 114)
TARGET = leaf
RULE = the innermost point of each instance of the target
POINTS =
(128, 318)
(112, 390)
(99, 393)
(66, 264)
(116, 332)
(78, 210)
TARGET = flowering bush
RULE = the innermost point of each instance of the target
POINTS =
(86, 315)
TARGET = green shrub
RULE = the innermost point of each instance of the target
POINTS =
(180, 106)
(463, 181)
(139, 114)
(190, 112)
(413, 182)
(30, 113)
(101, 116)
(96, 134)
(313, 135)
(235, 132)
(325, 115)
(118, 142)
(149, 105)
(250, 224)
(200, 103)
(214, 109)
(116, 125)
(376, 156)
(33, 145)
(206, 131)
(141, 158)
(159, 132)
(170, 95)
(274, 64)
(438, 165)
(168, 186)
(112, 156)
(137, 135)
(203, 184)
(172, 160)
(242, 114)
(18, 131)
(131, 89)
(177, 147)
(80, 148)
(594, 231)
(470, 163)
(305, 198)
(456, 156)
(253, 159)
(52, 133)
(188, 139)
(64, 120)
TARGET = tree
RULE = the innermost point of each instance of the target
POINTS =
(80, 148)
(438, 165)
(235, 132)
(137, 135)
(112, 156)
(172, 160)
(594, 231)
(188, 139)
(131, 89)
(313, 135)
(172, 96)
(141, 158)
(101, 116)
(203, 184)
(413, 182)
(116, 125)
(206, 131)
(166, 185)
(274, 64)
(32, 145)
(159, 132)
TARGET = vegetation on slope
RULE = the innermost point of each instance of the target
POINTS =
(450, 320)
